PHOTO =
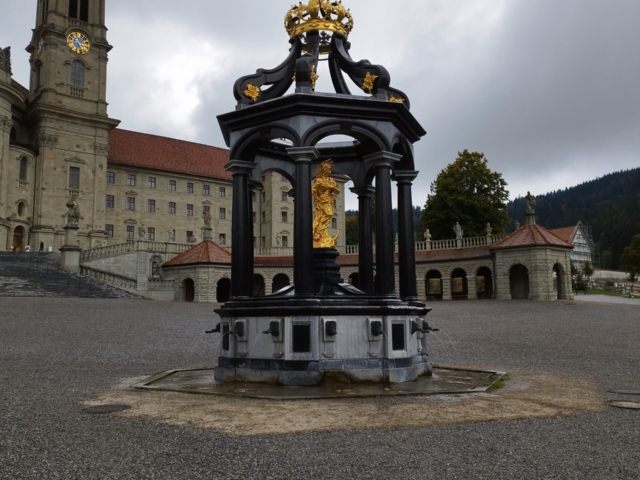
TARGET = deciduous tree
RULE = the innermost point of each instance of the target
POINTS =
(631, 258)
(469, 192)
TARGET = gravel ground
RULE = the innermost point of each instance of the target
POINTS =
(57, 353)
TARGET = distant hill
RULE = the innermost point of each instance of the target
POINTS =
(610, 205)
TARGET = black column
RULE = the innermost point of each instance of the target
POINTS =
(241, 242)
(406, 236)
(385, 273)
(303, 221)
(365, 239)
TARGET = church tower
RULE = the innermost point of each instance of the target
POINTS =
(67, 115)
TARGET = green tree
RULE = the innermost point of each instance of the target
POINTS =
(352, 233)
(631, 258)
(587, 273)
(466, 191)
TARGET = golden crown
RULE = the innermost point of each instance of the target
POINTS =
(318, 15)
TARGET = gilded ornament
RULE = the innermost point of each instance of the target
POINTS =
(313, 76)
(369, 82)
(252, 92)
(78, 43)
(325, 15)
(396, 99)
(324, 191)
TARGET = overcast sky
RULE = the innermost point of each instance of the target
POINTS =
(549, 90)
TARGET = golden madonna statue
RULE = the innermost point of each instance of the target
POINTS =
(324, 191)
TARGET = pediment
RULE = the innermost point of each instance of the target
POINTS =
(131, 221)
(131, 193)
(77, 160)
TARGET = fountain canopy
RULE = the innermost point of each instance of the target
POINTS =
(321, 325)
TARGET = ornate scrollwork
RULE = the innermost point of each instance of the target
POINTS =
(369, 82)
(252, 92)
(47, 139)
(101, 147)
(5, 59)
(313, 76)
(317, 28)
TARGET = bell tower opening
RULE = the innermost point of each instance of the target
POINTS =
(79, 9)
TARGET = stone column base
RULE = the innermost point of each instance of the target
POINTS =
(70, 258)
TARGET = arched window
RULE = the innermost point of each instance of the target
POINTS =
(24, 164)
(79, 9)
(77, 74)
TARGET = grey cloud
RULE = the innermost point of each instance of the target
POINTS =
(549, 92)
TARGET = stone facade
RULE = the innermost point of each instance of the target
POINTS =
(150, 199)
(56, 142)
(548, 269)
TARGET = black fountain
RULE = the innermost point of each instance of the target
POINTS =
(320, 325)
(310, 339)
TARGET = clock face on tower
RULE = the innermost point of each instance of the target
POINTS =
(78, 43)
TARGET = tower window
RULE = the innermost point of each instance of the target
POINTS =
(79, 9)
(24, 163)
(74, 178)
(77, 74)
(45, 9)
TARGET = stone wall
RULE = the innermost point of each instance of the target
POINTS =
(539, 262)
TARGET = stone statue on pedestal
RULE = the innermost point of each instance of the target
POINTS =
(458, 231)
(73, 212)
(531, 204)
(427, 235)
(142, 234)
(171, 234)
(206, 216)
(489, 230)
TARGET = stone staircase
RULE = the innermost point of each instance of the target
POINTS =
(37, 275)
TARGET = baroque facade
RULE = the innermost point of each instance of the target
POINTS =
(57, 141)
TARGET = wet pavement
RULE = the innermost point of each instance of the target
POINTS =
(444, 381)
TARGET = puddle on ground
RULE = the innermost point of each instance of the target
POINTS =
(524, 396)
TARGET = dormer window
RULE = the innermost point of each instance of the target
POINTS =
(79, 9)
(77, 74)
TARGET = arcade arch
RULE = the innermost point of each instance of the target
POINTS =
(519, 282)
(189, 290)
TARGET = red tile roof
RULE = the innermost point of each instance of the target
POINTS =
(203, 253)
(531, 236)
(567, 233)
(134, 149)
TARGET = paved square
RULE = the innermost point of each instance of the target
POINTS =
(58, 355)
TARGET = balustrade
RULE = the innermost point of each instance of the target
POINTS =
(113, 279)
